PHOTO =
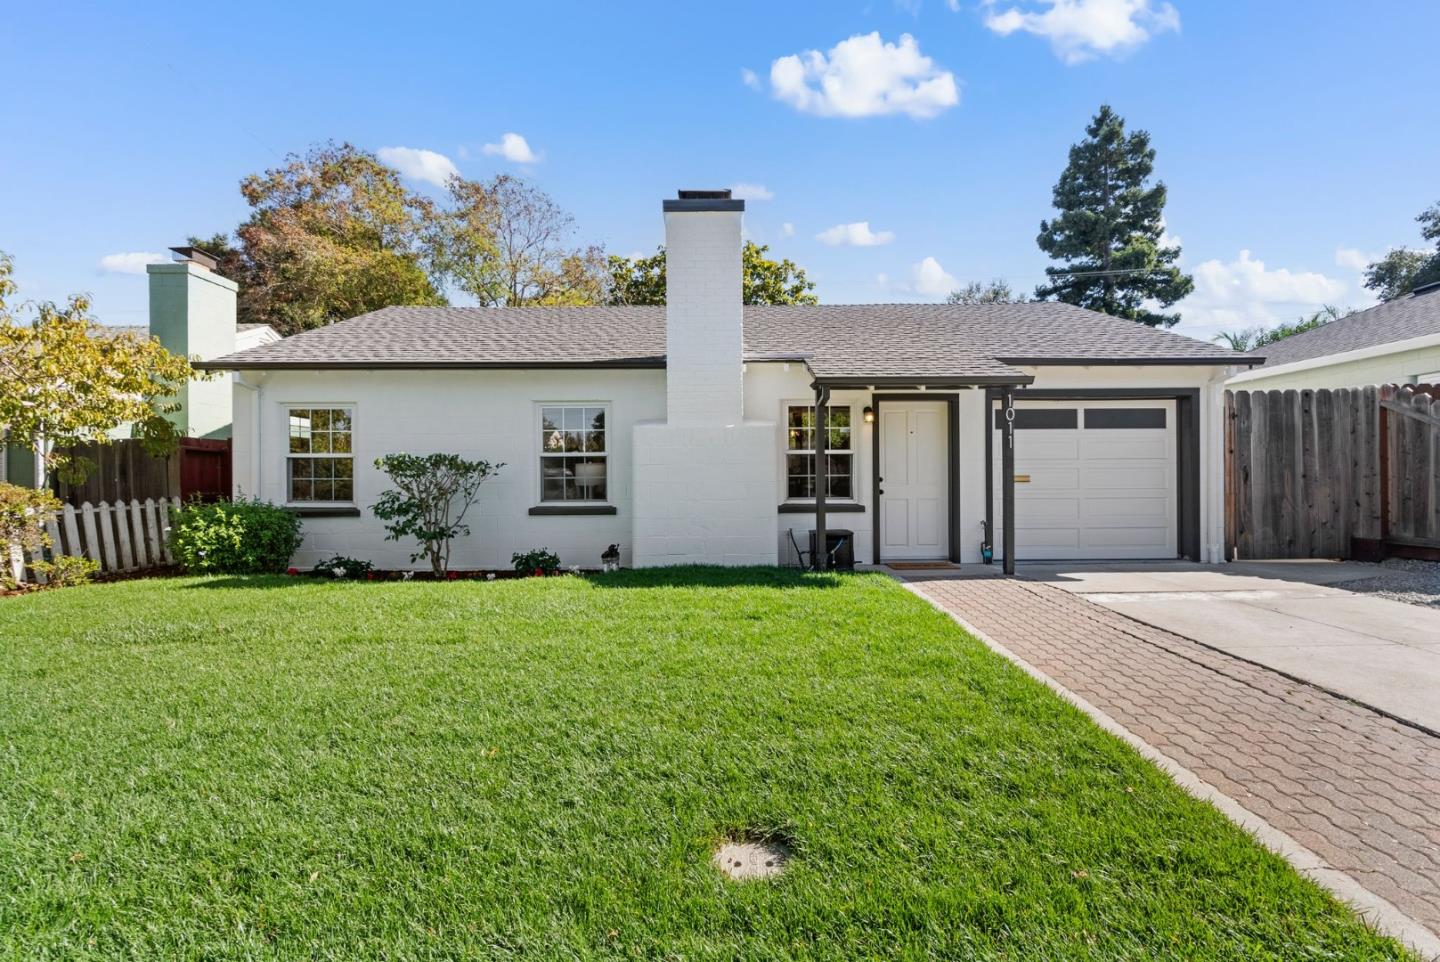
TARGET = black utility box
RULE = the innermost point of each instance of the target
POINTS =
(839, 547)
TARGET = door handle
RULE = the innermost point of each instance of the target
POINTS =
(879, 490)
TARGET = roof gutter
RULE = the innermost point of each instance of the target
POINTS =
(1329, 360)
(1224, 360)
(939, 382)
(222, 364)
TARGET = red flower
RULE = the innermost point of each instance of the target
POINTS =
(369, 576)
(452, 575)
(292, 571)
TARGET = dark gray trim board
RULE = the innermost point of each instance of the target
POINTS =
(1187, 448)
(1239, 359)
(573, 509)
(621, 364)
(939, 384)
(952, 466)
(323, 512)
(844, 507)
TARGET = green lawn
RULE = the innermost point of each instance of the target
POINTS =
(283, 768)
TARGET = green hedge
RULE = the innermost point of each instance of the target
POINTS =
(234, 537)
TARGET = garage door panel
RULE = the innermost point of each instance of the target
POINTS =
(1123, 445)
(1035, 538)
(1096, 492)
(1127, 477)
(1047, 445)
(1129, 510)
(1154, 537)
(1051, 511)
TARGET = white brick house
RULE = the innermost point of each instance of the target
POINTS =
(687, 433)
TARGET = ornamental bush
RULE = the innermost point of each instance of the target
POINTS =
(428, 504)
(241, 537)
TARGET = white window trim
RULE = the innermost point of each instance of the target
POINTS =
(537, 429)
(286, 456)
(854, 451)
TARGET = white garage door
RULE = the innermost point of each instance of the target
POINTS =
(1101, 480)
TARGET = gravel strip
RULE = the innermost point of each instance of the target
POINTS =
(1399, 579)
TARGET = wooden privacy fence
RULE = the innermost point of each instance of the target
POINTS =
(124, 471)
(124, 536)
(1332, 473)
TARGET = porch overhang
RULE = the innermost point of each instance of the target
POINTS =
(1003, 385)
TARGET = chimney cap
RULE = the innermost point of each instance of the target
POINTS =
(196, 256)
(704, 200)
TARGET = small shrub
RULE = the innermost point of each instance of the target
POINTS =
(539, 561)
(429, 489)
(23, 512)
(235, 537)
(342, 567)
(67, 570)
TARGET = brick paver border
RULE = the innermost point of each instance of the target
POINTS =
(1348, 796)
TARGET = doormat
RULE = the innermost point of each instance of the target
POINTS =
(919, 565)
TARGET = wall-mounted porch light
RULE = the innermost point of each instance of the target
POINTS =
(869, 415)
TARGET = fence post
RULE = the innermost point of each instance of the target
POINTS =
(122, 533)
(105, 521)
(72, 533)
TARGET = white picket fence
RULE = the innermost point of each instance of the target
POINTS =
(122, 536)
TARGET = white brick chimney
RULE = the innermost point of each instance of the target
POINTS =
(703, 320)
(705, 479)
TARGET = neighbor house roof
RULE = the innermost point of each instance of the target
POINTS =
(1414, 315)
(971, 343)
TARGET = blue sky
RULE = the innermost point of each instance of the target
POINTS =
(1295, 137)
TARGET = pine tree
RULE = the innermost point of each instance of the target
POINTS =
(1108, 233)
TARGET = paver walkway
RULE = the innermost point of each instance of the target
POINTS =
(1357, 789)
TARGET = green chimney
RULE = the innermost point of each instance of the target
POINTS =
(192, 313)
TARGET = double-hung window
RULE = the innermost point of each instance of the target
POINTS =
(320, 466)
(574, 462)
(802, 445)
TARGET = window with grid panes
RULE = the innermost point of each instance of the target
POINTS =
(574, 465)
(801, 450)
(320, 465)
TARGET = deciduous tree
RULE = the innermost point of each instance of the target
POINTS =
(506, 243)
(1110, 228)
(997, 291)
(764, 280)
(1402, 270)
(67, 380)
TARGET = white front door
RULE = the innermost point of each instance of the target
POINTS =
(914, 482)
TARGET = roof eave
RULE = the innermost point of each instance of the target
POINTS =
(1069, 361)
(223, 364)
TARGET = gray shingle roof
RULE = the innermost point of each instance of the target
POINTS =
(1397, 320)
(837, 341)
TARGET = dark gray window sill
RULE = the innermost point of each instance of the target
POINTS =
(808, 507)
(543, 509)
(323, 511)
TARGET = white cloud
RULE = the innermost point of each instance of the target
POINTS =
(132, 262)
(857, 234)
(1354, 259)
(1081, 30)
(513, 148)
(788, 229)
(926, 279)
(864, 77)
(751, 192)
(749, 78)
(418, 164)
(930, 279)
(1245, 293)
(954, 5)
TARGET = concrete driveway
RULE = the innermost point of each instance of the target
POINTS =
(1293, 616)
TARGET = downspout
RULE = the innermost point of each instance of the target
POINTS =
(255, 448)
(821, 555)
